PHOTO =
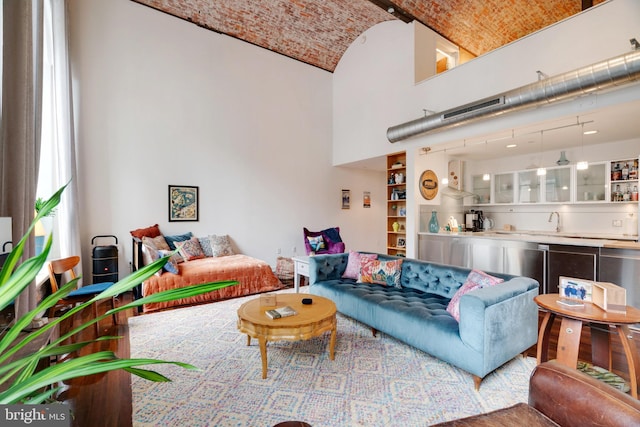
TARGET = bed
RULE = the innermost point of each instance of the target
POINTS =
(253, 275)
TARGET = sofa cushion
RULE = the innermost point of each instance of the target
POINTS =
(381, 272)
(475, 280)
(432, 278)
(353, 264)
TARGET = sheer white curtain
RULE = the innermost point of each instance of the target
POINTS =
(58, 165)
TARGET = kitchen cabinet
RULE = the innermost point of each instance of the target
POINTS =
(622, 267)
(558, 185)
(481, 188)
(591, 184)
(580, 262)
(624, 180)
(529, 188)
(503, 187)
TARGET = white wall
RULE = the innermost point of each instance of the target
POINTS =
(161, 101)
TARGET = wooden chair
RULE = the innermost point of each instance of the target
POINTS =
(57, 268)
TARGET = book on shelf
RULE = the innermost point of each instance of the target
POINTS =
(279, 312)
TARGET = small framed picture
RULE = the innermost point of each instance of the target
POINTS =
(346, 199)
(401, 242)
(183, 203)
(366, 199)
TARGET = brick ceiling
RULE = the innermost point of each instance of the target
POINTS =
(318, 32)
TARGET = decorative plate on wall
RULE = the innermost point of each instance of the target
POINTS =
(428, 184)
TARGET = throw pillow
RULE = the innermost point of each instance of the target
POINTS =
(190, 249)
(205, 244)
(381, 272)
(475, 280)
(221, 245)
(171, 266)
(316, 243)
(353, 264)
(171, 240)
(151, 231)
(158, 242)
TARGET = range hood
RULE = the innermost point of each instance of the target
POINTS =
(455, 186)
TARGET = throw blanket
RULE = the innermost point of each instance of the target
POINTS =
(254, 276)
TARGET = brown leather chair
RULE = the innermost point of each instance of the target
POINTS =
(561, 396)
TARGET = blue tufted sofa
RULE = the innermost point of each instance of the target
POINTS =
(496, 323)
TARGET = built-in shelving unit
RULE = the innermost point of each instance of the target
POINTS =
(624, 180)
(397, 203)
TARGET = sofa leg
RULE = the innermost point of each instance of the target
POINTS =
(476, 382)
(374, 331)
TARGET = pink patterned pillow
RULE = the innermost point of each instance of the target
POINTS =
(381, 272)
(475, 280)
(190, 249)
(353, 264)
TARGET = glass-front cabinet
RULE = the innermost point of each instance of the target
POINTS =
(557, 185)
(503, 187)
(591, 183)
(529, 186)
(481, 188)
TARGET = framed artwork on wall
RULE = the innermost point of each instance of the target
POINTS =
(346, 199)
(183, 203)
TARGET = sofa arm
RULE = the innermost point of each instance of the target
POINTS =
(501, 318)
(574, 399)
(327, 267)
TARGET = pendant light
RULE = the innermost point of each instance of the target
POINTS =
(541, 171)
(583, 164)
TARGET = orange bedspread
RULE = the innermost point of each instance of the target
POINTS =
(254, 276)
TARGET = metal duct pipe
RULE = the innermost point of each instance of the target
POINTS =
(599, 76)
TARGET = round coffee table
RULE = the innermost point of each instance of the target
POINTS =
(312, 320)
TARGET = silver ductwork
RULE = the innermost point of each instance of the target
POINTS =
(600, 76)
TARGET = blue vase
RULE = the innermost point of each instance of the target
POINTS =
(433, 223)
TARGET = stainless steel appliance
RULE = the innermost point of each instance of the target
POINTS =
(473, 220)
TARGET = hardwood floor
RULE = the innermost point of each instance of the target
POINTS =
(102, 400)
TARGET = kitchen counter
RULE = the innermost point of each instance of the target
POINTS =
(573, 239)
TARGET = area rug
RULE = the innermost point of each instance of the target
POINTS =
(373, 381)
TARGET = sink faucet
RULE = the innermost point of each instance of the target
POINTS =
(557, 223)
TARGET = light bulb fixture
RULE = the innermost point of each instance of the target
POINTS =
(583, 164)
(486, 177)
(445, 181)
(541, 171)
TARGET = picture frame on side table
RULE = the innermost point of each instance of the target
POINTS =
(183, 203)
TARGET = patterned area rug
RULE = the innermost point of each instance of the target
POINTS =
(373, 381)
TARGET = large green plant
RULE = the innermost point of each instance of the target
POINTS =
(20, 378)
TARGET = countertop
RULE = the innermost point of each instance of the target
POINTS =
(574, 239)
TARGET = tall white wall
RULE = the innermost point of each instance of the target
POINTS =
(161, 101)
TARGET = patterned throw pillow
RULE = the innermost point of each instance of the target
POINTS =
(221, 245)
(353, 264)
(475, 280)
(190, 249)
(382, 272)
(205, 244)
(171, 240)
(316, 243)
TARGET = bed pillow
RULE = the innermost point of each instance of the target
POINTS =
(353, 264)
(205, 244)
(475, 280)
(171, 240)
(221, 245)
(190, 249)
(158, 242)
(151, 231)
(171, 266)
(381, 272)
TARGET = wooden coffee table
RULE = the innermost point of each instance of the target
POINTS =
(312, 320)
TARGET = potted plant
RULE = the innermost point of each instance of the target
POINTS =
(20, 379)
